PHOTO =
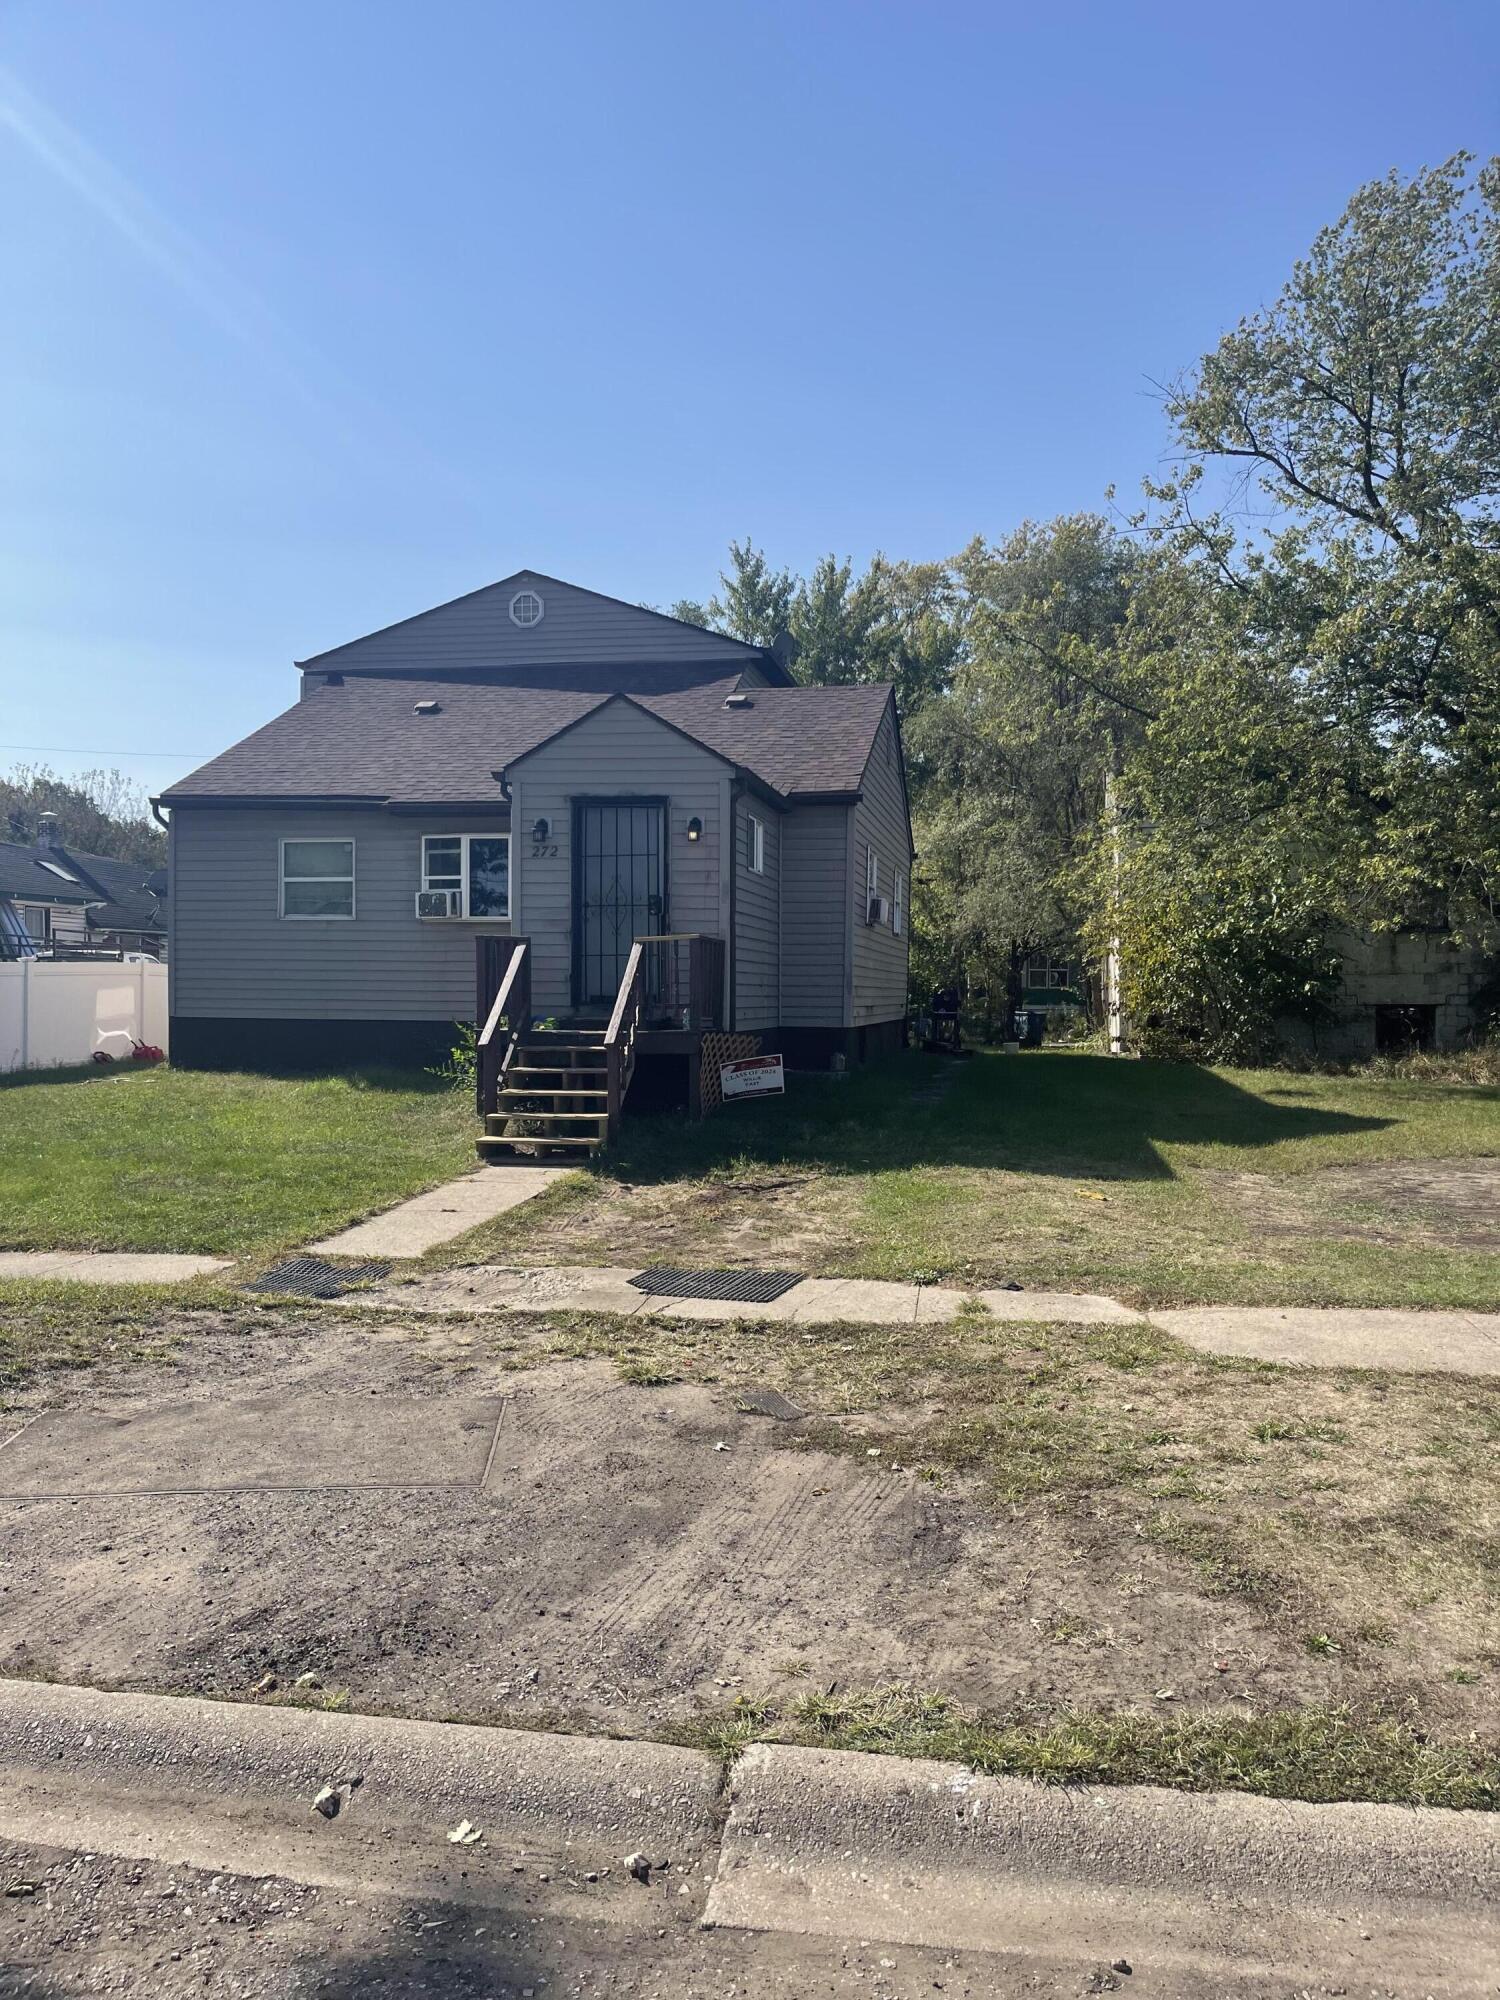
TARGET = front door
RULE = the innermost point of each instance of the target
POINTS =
(619, 889)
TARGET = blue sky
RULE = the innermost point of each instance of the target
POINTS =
(316, 314)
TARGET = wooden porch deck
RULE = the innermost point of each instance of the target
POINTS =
(562, 1089)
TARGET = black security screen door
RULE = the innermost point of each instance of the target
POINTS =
(619, 889)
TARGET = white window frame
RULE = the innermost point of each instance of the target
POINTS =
(319, 840)
(1048, 974)
(872, 872)
(898, 902)
(755, 835)
(463, 839)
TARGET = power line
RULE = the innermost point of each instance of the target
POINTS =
(69, 750)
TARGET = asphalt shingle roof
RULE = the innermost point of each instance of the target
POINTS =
(363, 740)
(116, 891)
(24, 878)
(798, 739)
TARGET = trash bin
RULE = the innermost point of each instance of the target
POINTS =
(1028, 1026)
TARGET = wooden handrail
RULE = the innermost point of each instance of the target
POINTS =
(502, 998)
(620, 1035)
(627, 987)
(511, 1004)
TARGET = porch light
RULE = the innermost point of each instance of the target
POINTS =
(695, 828)
(539, 831)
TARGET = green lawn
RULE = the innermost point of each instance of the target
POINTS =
(1158, 1182)
(163, 1159)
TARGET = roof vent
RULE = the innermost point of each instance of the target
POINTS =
(738, 701)
(426, 708)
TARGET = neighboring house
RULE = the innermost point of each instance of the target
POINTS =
(1402, 990)
(55, 901)
(537, 761)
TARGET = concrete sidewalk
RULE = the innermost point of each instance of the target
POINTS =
(1417, 1341)
(418, 1225)
(109, 1267)
(815, 1843)
(486, 1288)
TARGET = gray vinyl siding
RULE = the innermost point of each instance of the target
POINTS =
(880, 956)
(815, 959)
(577, 629)
(757, 921)
(617, 752)
(232, 955)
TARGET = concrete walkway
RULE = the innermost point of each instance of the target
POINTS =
(819, 1301)
(1460, 1343)
(815, 1843)
(415, 1226)
(1321, 1337)
(109, 1267)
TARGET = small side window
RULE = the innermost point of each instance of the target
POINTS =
(317, 878)
(898, 903)
(872, 873)
(755, 845)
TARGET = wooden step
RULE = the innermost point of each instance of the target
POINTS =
(520, 1104)
(513, 1090)
(496, 1143)
(495, 1120)
(549, 1052)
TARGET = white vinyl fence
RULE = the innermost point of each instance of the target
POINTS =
(59, 1011)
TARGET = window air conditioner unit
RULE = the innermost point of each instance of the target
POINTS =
(439, 903)
(879, 911)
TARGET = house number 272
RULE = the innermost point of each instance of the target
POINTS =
(548, 853)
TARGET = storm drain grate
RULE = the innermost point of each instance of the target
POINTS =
(311, 1278)
(751, 1288)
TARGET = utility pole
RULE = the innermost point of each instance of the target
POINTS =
(1114, 988)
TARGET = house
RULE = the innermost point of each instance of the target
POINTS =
(54, 901)
(537, 761)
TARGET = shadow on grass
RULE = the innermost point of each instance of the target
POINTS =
(25, 1079)
(375, 1078)
(1070, 1115)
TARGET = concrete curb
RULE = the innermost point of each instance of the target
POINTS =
(829, 1843)
(817, 1843)
(228, 1786)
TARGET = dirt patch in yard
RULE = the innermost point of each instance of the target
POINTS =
(1443, 1204)
(636, 1555)
(798, 1219)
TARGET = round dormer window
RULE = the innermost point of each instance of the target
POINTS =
(526, 609)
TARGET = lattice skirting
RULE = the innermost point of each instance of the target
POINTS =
(715, 1051)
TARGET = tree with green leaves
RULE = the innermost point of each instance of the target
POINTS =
(97, 812)
(1367, 403)
(1010, 765)
(1319, 733)
(898, 622)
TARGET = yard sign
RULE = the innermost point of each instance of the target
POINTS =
(757, 1076)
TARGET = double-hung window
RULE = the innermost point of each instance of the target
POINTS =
(473, 866)
(755, 845)
(898, 903)
(872, 874)
(317, 878)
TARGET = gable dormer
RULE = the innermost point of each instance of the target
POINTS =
(534, 630)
